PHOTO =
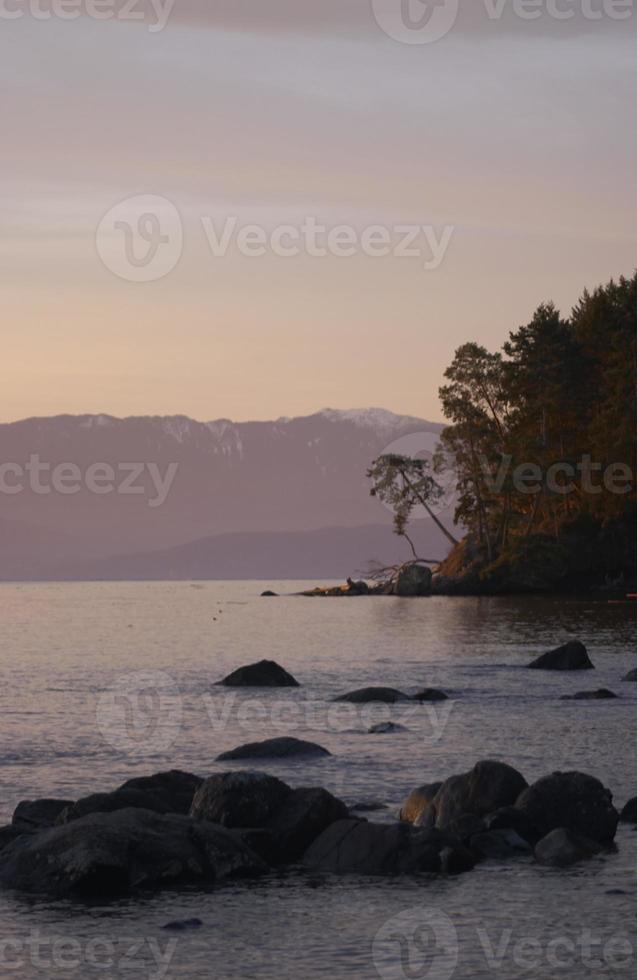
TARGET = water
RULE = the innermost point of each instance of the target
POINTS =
(67, 649)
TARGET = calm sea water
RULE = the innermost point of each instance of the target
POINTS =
(72, 655)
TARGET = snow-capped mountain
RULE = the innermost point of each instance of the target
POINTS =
(287, 475)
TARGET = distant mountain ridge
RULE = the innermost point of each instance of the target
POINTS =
(286, 475)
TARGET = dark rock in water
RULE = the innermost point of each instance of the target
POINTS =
(263, 842)
(417, 804)
(304, 815)
(487, 787)
(269, 595)
(466, 826)
(571, 656)
(38, 814)
(266, 673)
(603, 694)
(369, 695)
(629, 813)
(430, 694)
(358, 847)
(456, 860)
(239, 799)
(173, 790)
(167, 792)
(631, 676)
(113, 854)
(371, 806)
(500, 844)
(510, 818)
(413, 581)
(275, 748)
(386, 728)
(573, 801)
(181, 925)
(562, 847)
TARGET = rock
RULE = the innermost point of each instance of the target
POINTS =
(113, 854)
(488, 786)
(631, 676)
(603, 694)
(304, 815)
(571, 656)
(263, 842)
(269, 595)
(466, 826)
(562, 847)
(430, 694)
(412, 581)
(629, 813)
(510, 818)
(358, 847)
(239, 799)
(367, 806)
(181, 925)
(8, 835)
(38, 814)
(456, 860)
(173, 790)
(500, 844)
(119, 799)
(570, 800)
(357, 588)
(386, 728)
(266, 673)
(369, 695)
(275, 748)
(417, 804)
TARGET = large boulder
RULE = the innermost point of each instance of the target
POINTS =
(112, 854)
(487, 787)
(413, 581)
(418, 802)
(562, 847)
(371, 695)
(9, 834)
(571, 656)
(303, 815)
(358, 847)
(239, 799)
(629, 813)
(38, 814)
(165, 792)
(265, 673)
(573, 801)
(603, 694)
(276, 748)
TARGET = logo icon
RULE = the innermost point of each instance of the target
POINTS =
(141, 713)
(418, 944)
(141, 239)
(416, 21)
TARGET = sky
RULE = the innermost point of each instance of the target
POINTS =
(160, 179)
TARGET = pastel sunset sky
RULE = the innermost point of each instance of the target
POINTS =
(519, 134)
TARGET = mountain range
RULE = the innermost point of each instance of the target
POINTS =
(281, 499)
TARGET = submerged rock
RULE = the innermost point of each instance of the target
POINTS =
(573, 801)
(386, 728)
(181, 925)
(239, 799)
(603, 694)
(369, 695)
(113, 854)
(417, 804)
(487, 787)
(275, 748)
(269, 595)
(562, 847)
(631, 676)
(430, 694)
(571, 656)
(265, 673)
